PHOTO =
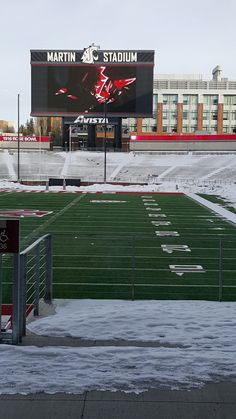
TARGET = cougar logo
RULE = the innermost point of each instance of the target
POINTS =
(90, 54)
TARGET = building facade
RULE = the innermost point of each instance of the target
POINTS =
(6, 126)
(188, 105)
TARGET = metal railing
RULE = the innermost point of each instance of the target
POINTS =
(121, 266)
(32, 281)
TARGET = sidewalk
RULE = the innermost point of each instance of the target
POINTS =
(215, 401)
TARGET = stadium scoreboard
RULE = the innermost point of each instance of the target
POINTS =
(86, 81)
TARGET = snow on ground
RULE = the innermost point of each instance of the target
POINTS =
(195, 344)
(189, 323)
(185, 344)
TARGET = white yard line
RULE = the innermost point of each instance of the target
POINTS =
(142, 285)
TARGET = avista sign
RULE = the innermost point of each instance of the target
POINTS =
(81, 119)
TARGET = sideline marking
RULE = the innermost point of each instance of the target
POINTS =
(160, 223)
(106, 201)
(167, 233)
(182, 269)
(150, 203)
(157, 215)
(153, 209)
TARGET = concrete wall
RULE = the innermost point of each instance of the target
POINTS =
(182, 146)
(25, 145)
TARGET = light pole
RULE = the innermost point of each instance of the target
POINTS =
(18, 138)
(70, 143)
(105, 141)
(40, 139)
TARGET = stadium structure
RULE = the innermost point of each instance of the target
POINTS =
(188, 113)
(159, 242)
(189, 108)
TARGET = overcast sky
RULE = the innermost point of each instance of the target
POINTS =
(188, 36)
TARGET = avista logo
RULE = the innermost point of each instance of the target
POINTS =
(90, 120)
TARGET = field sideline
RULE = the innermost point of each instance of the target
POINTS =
(107, 245)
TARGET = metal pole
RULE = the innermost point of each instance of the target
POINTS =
(70, 139)
(105, 142)
(220, 270)
(18, 138)
(49, 271)
(0, 294)
(23, 278)
(37, 280)
(133, 269)
(16, 300)
(40, 138)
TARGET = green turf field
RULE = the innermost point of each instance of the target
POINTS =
(111, 250)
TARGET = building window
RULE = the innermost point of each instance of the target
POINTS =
(170, 99)
(165, 115)
(210, 99)
(185, 115)
(214, 116)
(193, 116)
(155, 101)
(233, 115)
(213, 128)
(230, 99)
(226, 115)
(190, 100)
(205, 115)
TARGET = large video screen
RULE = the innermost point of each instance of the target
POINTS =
(124, 90)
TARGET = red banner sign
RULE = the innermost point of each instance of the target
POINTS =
(9, 236)
(184, 137)
(25, 139)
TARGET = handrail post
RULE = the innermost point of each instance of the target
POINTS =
(133, 269)
(23, 278)
(0, 294)
(220, 269)
(49, 271)
(16, 300)
(36, 280)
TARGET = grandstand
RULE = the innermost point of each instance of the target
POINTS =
(133, 167)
